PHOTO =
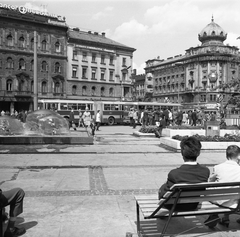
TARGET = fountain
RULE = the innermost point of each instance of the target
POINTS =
(41, 127)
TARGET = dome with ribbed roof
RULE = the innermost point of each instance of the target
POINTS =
(212, 32)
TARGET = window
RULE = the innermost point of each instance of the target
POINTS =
(32, 44)
(111, 92)
(103, 59)
(57, 47)
(9, 40)
(203, 98)
(57, 88)
(44, 45)
(44, 87)
(124, 76)
(93, 58)
(84, 72)
(74, 90)
(9, 86)
(124, 60)
(84, 56)
(93, 91)
(111, 59)
(22, 65)
(21, 85)
(84, 90)
(21, 42)
(93, 73)
(75, 55)
(31, 65)
(57, 68)
(102, 74)
(9, 63)
(74, 71)
(111, 76)
(44, 66)
(102, 91)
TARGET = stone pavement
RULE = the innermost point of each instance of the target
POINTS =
(75, 191)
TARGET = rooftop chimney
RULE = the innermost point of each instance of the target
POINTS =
(89, 32)
(95, 33)
(103, 34)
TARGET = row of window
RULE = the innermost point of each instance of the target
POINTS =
(22, 86)
(94, 58)
(93, 91)
(23, 44)
(21, 65)
(94, 73)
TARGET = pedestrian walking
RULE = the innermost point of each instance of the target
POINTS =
(71, 120)
(98, 120)
(86, 117)
(80, 121)
(130, 115)
(135, 118)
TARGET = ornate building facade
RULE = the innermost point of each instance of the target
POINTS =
(98, 67)
(17, 26)
(193, 79)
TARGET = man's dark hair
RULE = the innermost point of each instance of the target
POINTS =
(232, 151)
(190, 148)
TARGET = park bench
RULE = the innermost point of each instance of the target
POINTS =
(202, 193)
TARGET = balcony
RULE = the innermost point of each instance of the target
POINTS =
(22, 93)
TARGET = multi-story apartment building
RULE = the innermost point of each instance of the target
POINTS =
(17, 27)
(98, 67)
(139, 91)
(193, 79)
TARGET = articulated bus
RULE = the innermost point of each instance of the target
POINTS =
(112, 112)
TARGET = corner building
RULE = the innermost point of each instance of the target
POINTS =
(17, 26)
(98, 67)
(193, 79)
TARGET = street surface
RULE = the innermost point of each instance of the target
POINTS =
(83, 191)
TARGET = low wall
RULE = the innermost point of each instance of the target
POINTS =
(167, 132)
(207, 146)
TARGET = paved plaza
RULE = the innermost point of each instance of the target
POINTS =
(83, 191)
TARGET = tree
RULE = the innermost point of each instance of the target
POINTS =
(232, 86)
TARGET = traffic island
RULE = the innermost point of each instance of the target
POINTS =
(219, 146)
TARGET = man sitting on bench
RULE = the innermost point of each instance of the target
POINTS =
(190, 172)
(13, 198)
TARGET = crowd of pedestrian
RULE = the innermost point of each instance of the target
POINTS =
(166, 117)
(22, 115)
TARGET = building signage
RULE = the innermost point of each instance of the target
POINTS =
(24, 10)
(95, 48)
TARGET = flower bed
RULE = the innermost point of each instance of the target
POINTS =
(225, 138)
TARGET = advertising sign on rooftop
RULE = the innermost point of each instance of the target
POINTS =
(25, 10)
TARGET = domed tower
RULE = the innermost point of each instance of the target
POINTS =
(212, 34)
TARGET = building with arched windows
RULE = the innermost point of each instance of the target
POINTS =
(193, 79)
(98, 67)
(17, 26)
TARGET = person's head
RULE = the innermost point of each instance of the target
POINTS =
(190, 148)
(233, 153)
(98, 111)
(87, 108)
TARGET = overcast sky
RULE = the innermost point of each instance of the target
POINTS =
(153, 27)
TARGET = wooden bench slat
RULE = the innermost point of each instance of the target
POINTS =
(202, 193)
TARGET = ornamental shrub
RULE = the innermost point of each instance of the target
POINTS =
(216, 138)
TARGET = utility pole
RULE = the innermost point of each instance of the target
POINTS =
(35, 83)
